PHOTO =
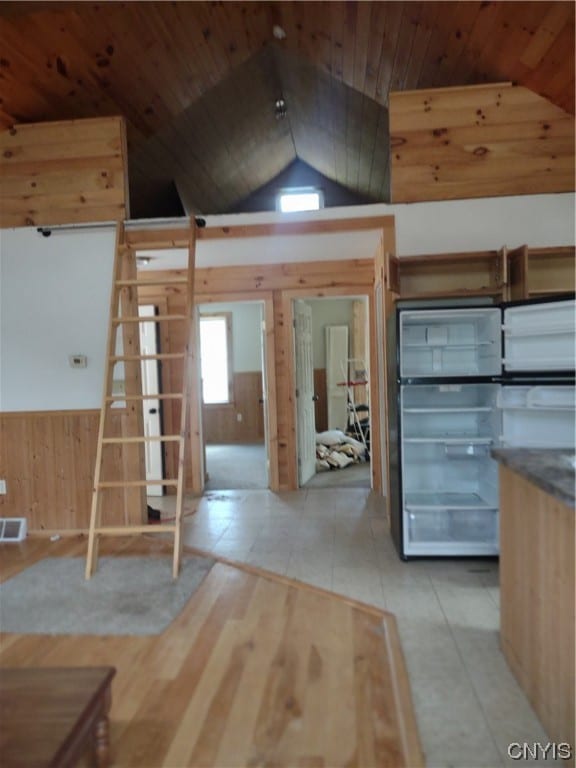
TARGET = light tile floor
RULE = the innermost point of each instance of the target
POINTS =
(468, 705)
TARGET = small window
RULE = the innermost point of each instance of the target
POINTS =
(303, 199)
(216, 358)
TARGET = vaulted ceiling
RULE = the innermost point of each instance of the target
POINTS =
(197, 82)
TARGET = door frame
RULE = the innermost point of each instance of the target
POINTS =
(271, 434)
(335, 292)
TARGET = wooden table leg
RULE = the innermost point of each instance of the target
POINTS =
(102, 742)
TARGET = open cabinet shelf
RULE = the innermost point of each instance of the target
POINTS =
(446, 275)
(540, 272)
(515, 274)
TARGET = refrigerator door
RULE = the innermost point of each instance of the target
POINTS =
(450, 343)
(538, 416)
(539, 337)
(449, 481)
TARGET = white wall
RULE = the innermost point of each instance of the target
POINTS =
(328, 312)
(484, 224)
(54, 302)
(246, 334)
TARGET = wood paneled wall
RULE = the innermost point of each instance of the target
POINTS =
(62, 173)
(47, 459)
(478, 141)
(220, 422)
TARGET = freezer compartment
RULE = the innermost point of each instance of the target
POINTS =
(451, 342)
(540, 337)
(463, 526)
(538, 416)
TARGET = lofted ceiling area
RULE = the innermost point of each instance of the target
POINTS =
(198, 82)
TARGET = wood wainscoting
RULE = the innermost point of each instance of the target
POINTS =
(47, 460)
(220, 422)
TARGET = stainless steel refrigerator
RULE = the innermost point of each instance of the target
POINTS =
(462, 380)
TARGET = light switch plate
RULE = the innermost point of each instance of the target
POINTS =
(2, 487)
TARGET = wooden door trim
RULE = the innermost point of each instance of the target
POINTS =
(288, 298)
(265, 297)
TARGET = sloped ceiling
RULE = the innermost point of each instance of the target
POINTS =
(197, 81)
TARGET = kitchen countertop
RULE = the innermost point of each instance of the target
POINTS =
(551, 469)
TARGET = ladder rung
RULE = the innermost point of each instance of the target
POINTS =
(165, 356)
(171, 396)
(135, 483)
(142, 439)
(128, 530)
(154, 281)
(148, 319)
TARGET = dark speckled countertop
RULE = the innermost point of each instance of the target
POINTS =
(551, 469)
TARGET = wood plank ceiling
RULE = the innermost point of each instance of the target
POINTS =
(197, 81)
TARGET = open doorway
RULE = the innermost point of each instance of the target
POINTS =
(332, 344)
(233, 395)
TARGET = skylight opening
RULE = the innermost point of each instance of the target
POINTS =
(293, 200)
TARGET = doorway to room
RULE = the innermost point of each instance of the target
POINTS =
(234, 413)
(332, 388)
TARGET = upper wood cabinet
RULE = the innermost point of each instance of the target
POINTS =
(444, 275)
(534, 272)
(519, 273)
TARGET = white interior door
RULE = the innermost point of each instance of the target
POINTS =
(306, 425)
(337, 373)
(151, 407)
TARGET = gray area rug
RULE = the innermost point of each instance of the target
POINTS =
(126, 596)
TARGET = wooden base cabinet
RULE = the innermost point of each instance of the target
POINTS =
(537, 594)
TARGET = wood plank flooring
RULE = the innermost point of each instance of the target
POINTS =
(255, 671)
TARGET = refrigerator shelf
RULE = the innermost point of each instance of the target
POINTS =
(448, 345)
(537, 363)
(471, 409)
(422, 500)
(460, 440)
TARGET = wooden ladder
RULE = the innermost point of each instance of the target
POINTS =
(131, 442)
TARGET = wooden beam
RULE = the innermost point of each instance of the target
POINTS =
(178, 236)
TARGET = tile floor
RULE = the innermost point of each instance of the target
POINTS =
(468, 705)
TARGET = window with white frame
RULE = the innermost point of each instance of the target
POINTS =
(216, 358)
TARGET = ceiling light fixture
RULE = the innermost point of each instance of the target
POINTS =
(142, 261)
(280, 108)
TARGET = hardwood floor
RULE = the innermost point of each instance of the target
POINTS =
(257, 670)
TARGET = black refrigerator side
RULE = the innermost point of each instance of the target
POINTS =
(394, 452)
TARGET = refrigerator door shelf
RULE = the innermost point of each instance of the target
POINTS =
(552, 397)
(540, 337)
(537, 416)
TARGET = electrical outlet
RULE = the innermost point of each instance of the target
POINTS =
(238, 417)
(78, 361)
(2, 487)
